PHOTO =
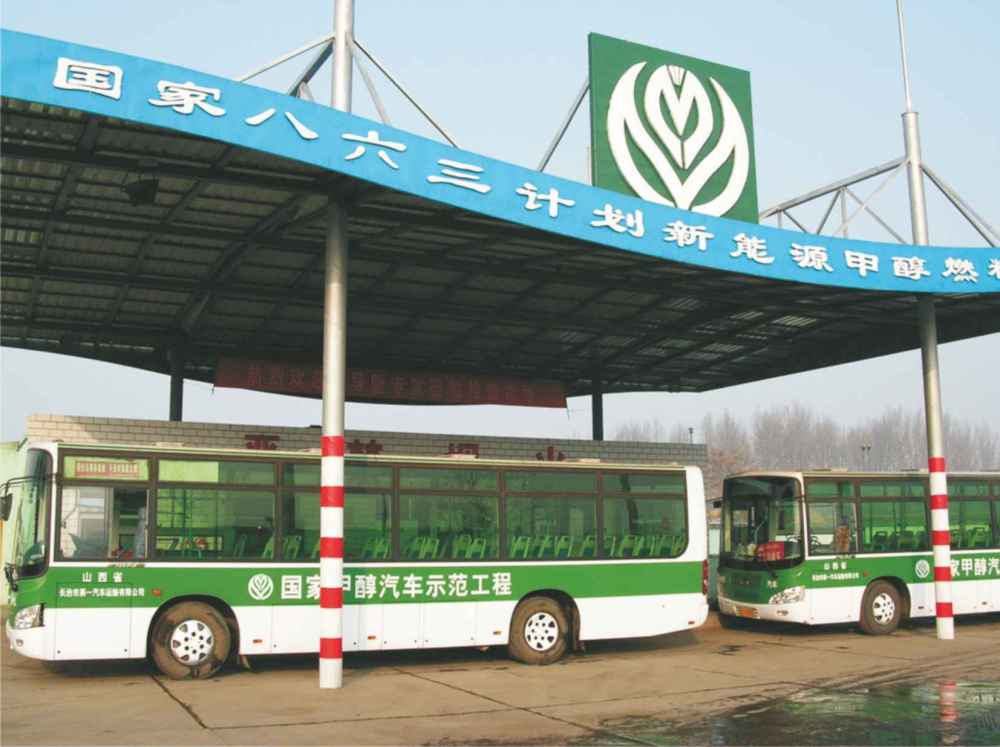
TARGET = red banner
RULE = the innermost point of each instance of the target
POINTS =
(400, 387)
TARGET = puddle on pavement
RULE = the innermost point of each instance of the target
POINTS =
(932, 714)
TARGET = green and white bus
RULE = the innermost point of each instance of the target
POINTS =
(831, 547)
(191, 556)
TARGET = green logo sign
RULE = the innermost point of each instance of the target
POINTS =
(672, 129)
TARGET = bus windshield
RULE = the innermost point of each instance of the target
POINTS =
(762, 522)
(32, 509)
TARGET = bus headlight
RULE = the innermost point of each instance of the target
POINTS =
(789, 595)
(29, 617)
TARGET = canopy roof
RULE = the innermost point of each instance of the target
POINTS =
(228, 258)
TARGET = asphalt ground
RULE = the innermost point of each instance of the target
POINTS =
(686, 688)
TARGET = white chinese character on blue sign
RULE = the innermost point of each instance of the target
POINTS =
(811, 257)
(304, 132)
(683, 235)
(960, 270)
(752, 248)
(913, 268)
(619, 221)
(863, 263)
(373, 139)
(458, 174)
(536, 198)
(183, 98)
(76, 75)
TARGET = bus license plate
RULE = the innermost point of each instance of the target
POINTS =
(746, 612)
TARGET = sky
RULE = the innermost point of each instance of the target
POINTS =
(827, 95)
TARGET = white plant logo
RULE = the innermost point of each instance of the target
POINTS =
(922, 569)
(682, 92)
(260, 587)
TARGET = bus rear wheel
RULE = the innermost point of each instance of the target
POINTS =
(539, 631)
(881, 609)
(190, 640)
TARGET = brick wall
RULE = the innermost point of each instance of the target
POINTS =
(78, 429)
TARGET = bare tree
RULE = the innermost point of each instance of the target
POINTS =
(795, 437)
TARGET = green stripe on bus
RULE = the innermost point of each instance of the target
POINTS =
(255, 585)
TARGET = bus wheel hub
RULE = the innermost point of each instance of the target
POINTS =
(541, 631)
(191, 642)
(883, 609)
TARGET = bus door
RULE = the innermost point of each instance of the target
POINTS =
(94, 600)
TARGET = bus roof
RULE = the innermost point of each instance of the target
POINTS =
(856, 473)
(444, 459)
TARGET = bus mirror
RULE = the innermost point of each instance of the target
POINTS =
(6, 501)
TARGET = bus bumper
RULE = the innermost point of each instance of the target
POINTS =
(30, 642)
(797, 612)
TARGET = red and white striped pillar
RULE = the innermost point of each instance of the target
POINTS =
(927, 321)
(941, 539)
(331, 519)
(331, 562)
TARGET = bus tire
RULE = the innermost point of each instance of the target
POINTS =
(539, 631)
(881, 608)
(191, 640)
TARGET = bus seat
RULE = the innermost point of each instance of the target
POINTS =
(956, 538)
(268, 551)
(460, 546)
(292, 545)
(564, 547)
(520, 547)
(980, 537)
(588, 547)
(430, 549)
(412, 550)
(241, 546)
(627, 547)
(315, 551)
(654, 546)
(907, 540)
(542, 545)
(610, 546)
(476, 549)
(880, 540)
(381, 550)
(678, 545)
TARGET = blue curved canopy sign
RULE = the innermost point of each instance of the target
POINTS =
(102, 82)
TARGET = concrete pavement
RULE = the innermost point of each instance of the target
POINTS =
(465, 696)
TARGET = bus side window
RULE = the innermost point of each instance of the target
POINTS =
(102, 523)
(833, 528)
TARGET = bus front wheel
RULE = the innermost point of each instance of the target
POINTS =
(539, 631)
(190, 640)
(881, 609)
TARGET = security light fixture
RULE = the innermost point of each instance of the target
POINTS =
(141, 191)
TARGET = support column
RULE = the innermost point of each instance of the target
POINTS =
(940, 534)
(597, 407)
(331, 548)
(177, 358)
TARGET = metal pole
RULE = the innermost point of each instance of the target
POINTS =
(843, 215)
(597, 408)
(176, 384)
(399, 87)
(940, 534)
(331, 552)
(564, 126)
